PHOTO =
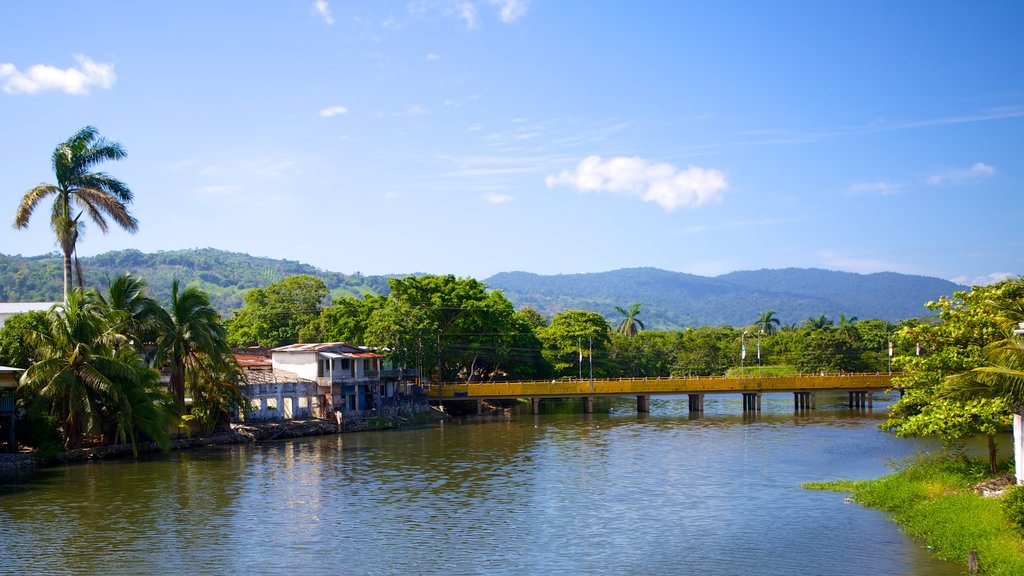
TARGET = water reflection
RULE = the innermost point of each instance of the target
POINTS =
(615, 492)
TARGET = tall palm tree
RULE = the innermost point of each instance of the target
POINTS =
(80, 191)
(847, 326)
(189, 333)
(767, 323)
(630, 325)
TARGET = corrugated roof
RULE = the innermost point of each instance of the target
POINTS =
(9, 308)
(341, 348)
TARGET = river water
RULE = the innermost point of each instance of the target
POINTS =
(611, 493)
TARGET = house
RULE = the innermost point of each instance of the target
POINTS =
(8, 384)
(8, 309)
(321, 379)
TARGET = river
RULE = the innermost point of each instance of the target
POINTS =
(609, 493)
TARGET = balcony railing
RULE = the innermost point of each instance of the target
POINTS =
(6, 404)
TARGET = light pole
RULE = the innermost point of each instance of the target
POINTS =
(759, 352)
(743, 350)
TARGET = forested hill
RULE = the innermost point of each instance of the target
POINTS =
(669, 299)
(675, 299)
(226, 276)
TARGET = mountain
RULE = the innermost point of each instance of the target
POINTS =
(669, 299)
(673, 299)
(226, 276)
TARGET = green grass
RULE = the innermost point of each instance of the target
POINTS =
(931, 499)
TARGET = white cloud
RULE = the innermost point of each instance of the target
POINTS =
(467, 11)
(432, 56)
(391, 195)
(984, 280)
(333, 111)
(495, 198)
(75, 80)
(854, 264)
(979, 171)
(511, 10)
(877, 188)
(661, 183)
(324, 10)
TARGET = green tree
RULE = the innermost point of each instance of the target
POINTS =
(573, 336)
(452, 328)
(15, 347)
(956, 345)
(346, 319)
(630, 325)
(80, 191)
(189, 336)
(767, 323)
(281, 313)
(822, 322)
(79, 372)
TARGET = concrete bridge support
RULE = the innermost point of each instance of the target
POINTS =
(643, 403)
(805, 401)
(588, 404)
(861, 400)
(479, 407)
(535, 404)
(751, 402)
(696, 402)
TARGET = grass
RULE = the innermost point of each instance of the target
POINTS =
(931, 499)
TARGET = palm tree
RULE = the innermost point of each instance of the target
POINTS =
(630, 325)
(78, 192)
(847, 326)
(130, 310)
(767, 323)
(189, 334)
(77, 369)
(819, 323)
(1000, 378)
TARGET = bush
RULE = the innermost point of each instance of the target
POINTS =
(1013, 506)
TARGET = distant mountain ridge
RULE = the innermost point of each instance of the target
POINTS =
(670, 300)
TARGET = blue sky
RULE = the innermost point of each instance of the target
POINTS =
(474, 137)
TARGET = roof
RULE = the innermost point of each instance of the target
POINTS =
(9, 377)
(329, 349)
(10, 308)
(254, 361)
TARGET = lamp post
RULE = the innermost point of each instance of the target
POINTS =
(743, 350)
(759, 352)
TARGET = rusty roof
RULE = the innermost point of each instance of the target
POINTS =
(334, 347)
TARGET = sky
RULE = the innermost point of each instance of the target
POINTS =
(472, 137)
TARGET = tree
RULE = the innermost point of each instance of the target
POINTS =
(572, 335)
(957, 344)
(450, 327)
(1000, 378)
(767, 323)
(15, 348)
(822, 322)
(80, 191)
(130, 310)
(189, 336)
(79, 371)
(630, 325)
(346, 319)
(282, 313)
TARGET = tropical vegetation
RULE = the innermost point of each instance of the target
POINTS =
(80, 191)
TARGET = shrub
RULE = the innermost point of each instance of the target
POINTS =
(1013, 506)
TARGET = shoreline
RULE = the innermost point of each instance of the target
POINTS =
(15, 468)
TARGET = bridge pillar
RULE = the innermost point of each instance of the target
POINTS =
(696, 402)
(535, 404)
(479, 407)
(871, 401)
(588, 404)
(814, 400)
(751, 402)
(643, 403)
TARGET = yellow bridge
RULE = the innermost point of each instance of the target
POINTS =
(804, 389)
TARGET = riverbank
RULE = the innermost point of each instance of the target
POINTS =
(937, 500)
(15, 467)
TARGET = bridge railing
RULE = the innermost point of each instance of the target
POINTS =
(660, 385)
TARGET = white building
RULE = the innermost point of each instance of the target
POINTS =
(8, 309)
